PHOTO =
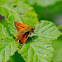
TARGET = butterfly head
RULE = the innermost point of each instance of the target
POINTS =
(32, 29)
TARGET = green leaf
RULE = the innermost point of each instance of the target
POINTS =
(47, 30)
(39, 48)
(13, 11)
(9, 26)
(36, 50)
(4, 2)
(21, 11)
(7, 45)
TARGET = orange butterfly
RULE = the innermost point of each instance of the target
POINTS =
(23, 32)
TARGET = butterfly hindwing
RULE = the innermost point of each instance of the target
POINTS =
(24, 38)
(18, 38)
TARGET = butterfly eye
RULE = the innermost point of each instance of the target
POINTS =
(32, 29)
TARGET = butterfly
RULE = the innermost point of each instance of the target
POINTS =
(23, 32)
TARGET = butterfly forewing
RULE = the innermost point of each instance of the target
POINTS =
(20, 26)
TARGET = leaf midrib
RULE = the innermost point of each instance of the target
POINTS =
(5, 47)
(36, 53)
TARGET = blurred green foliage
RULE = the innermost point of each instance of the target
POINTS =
(21, 10)
(46, 10)
(43, 3)
(57, 44)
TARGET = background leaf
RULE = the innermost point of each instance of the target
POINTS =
(21, 11)
(47, 10)
(57, 44)
(43, 3)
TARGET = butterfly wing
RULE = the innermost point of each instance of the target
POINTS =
(24, 38)
(23, 31)
(18, 38)
(20, 26)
